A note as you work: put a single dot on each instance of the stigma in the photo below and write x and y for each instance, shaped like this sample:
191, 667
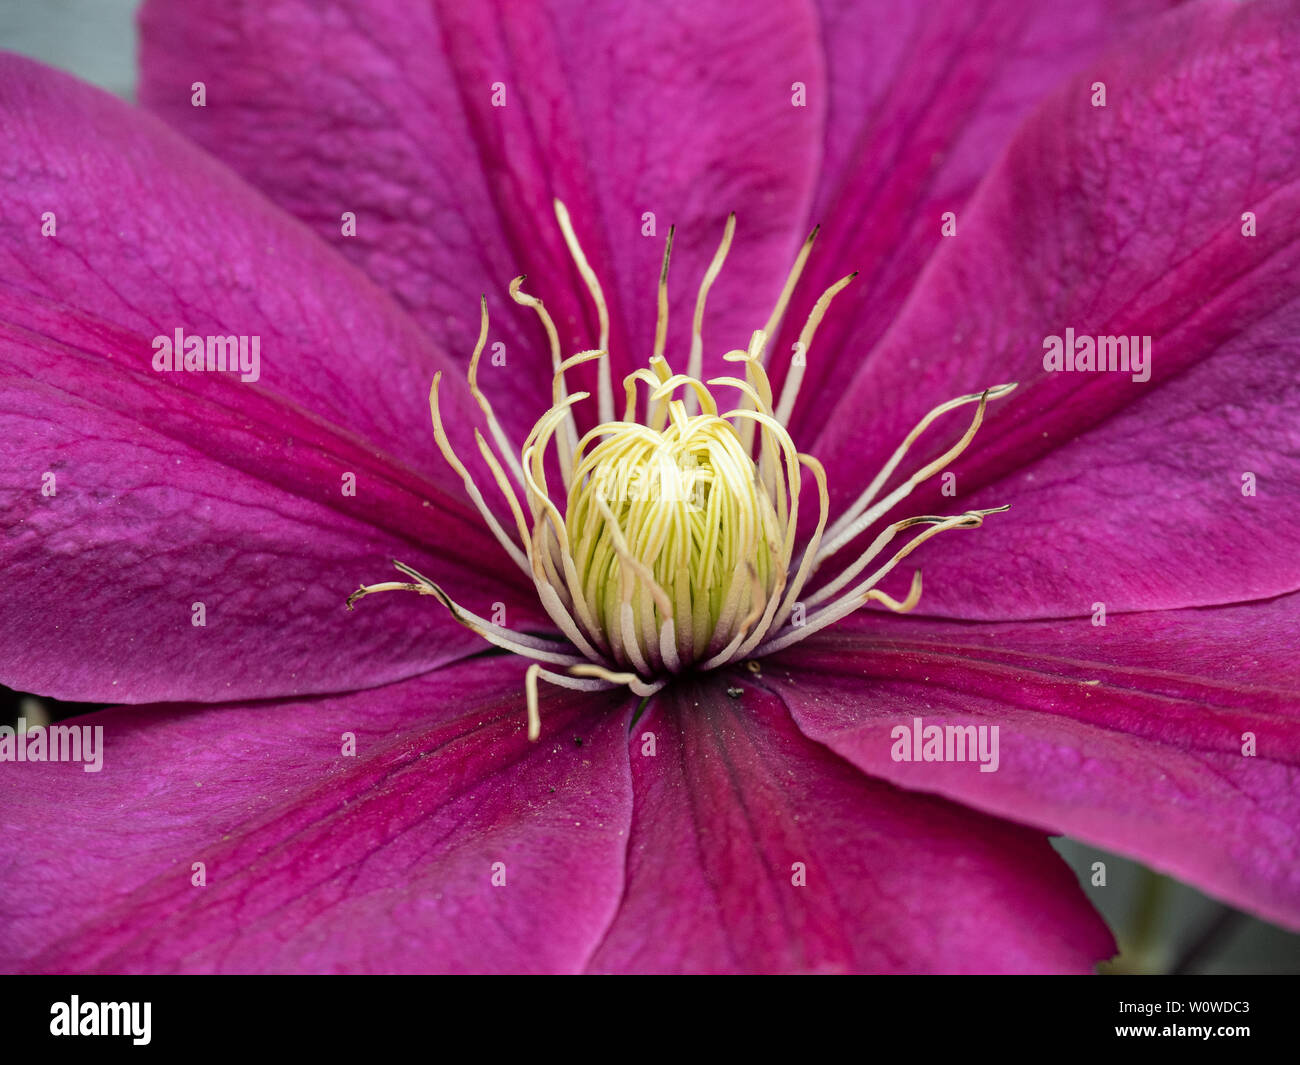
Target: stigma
671, 543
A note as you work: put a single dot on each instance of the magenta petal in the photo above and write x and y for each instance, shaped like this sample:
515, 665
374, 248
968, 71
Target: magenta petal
199, 250
1123, 220
1135, 736
132, 494
316, 862
734, 806
386, 109
922, 100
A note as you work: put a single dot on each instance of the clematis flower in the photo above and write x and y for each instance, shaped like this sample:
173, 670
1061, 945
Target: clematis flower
716, 781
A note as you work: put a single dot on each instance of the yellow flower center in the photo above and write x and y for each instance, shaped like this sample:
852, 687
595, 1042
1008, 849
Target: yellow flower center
677, 546
674, 537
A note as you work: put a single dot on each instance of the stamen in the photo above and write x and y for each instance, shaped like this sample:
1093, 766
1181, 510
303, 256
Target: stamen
498, 434
661, 320
859, 596
635, 565
799, 363
695, 360
853, 521
503, 483
631, 680
760, 394
810, 552
558, 366
773, 323
563, 681
675, 548
907, 605
792, 279
700, 389
444, 445
546, 582
864, 559
657, 416
567, 442
519, 643
605, 387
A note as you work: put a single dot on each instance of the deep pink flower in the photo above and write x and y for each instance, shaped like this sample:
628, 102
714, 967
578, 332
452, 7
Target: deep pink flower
183, 488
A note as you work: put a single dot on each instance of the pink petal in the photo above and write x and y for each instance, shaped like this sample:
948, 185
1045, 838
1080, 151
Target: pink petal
1131, 736
385, 109
316, 862
923, 98
1122, 220
171, 489
734, 801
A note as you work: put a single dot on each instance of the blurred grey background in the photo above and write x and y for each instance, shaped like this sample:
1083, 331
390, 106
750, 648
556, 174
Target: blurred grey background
94, 39
1161, 925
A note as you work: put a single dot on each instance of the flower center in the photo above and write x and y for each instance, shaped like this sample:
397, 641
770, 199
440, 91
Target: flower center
674, 538
677, 547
